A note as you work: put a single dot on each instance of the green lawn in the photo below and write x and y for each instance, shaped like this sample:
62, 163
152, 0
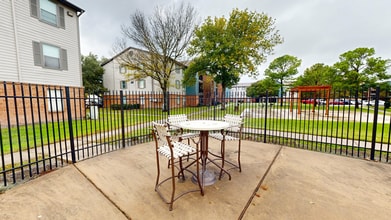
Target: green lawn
339, 129
24, 137
29, 136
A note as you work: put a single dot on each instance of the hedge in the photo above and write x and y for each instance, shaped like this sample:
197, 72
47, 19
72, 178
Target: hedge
125, 106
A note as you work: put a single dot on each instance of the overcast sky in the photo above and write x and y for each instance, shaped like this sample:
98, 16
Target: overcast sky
315, 31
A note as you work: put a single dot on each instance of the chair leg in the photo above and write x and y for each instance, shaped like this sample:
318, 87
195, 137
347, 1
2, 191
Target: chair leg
239, 149
200, 184
222, 158
181, 172
158, 171
173, 184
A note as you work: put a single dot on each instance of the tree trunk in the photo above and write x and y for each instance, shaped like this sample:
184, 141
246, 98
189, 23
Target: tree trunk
166, 101
356, 104
223, 98
281, 93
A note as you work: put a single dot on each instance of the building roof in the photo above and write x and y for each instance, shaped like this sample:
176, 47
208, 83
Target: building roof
134, 48
70, 5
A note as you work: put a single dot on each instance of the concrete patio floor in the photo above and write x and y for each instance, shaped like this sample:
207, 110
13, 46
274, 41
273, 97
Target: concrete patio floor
120, 185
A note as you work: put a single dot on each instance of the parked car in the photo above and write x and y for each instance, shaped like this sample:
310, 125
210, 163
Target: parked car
307, 101
346, 101
337, 102
94, 100
321, 101
372, 103
353, 102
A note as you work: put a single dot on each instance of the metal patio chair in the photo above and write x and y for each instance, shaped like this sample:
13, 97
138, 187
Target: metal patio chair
173, 151
173, 120
233, 133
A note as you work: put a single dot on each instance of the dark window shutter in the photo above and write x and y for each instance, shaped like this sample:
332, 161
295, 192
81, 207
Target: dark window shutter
64, 59
34, 8
61, 17
37, 53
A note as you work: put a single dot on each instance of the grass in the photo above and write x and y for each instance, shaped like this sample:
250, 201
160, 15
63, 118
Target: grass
356, 130
24, 137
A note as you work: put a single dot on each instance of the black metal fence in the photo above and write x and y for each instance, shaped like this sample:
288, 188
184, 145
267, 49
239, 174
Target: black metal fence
43, 127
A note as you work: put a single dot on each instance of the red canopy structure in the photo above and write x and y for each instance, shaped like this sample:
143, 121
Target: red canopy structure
300, 89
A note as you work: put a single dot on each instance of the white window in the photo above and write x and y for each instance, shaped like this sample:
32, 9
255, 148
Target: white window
48, 11
141, 84
142, 100
177, 69
177, 84
122, 69
123, 84
50, 56
54, 100
178, 100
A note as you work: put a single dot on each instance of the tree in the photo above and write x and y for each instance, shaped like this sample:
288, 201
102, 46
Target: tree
316, 75
164, 36
262, 87
283, 68
92, 74
226, 49
359, 67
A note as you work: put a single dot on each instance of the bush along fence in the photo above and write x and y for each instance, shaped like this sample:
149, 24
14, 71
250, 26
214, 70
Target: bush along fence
43, 127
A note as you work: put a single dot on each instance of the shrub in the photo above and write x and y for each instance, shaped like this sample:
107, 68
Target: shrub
387, 104
125, 106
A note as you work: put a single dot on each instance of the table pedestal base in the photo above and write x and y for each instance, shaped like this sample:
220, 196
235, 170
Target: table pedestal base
209, 178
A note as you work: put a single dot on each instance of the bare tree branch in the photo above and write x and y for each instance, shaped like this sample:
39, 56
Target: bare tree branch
162, 38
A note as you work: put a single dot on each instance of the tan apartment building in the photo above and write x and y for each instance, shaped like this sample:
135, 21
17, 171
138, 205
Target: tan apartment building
39, 55
141, 91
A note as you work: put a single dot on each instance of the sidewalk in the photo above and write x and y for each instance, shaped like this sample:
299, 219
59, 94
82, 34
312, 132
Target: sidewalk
120, 185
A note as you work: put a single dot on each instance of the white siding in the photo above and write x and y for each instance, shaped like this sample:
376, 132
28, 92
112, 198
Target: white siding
30, 29
8, 70
112, 78
108, 78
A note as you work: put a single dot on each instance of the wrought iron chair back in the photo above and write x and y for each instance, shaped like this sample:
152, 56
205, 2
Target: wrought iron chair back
173, 151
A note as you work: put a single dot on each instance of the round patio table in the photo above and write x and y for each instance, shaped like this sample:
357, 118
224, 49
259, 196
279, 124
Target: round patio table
204, 126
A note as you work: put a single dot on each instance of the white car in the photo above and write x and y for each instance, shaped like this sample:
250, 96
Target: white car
372, 103
94, 100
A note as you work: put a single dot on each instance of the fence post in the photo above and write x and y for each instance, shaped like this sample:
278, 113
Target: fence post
214, 101
265, 124
70, 125
168, 102
374, 128
121, 96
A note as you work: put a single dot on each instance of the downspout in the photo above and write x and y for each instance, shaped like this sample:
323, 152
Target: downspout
80, 13
16, 42
79, 45
153, 85
80, 65
113, 81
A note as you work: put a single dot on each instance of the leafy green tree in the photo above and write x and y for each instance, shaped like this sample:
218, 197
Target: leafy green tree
316, 75
283, 68
163, 38
228, 48
92, 74
359, 67
263, 87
